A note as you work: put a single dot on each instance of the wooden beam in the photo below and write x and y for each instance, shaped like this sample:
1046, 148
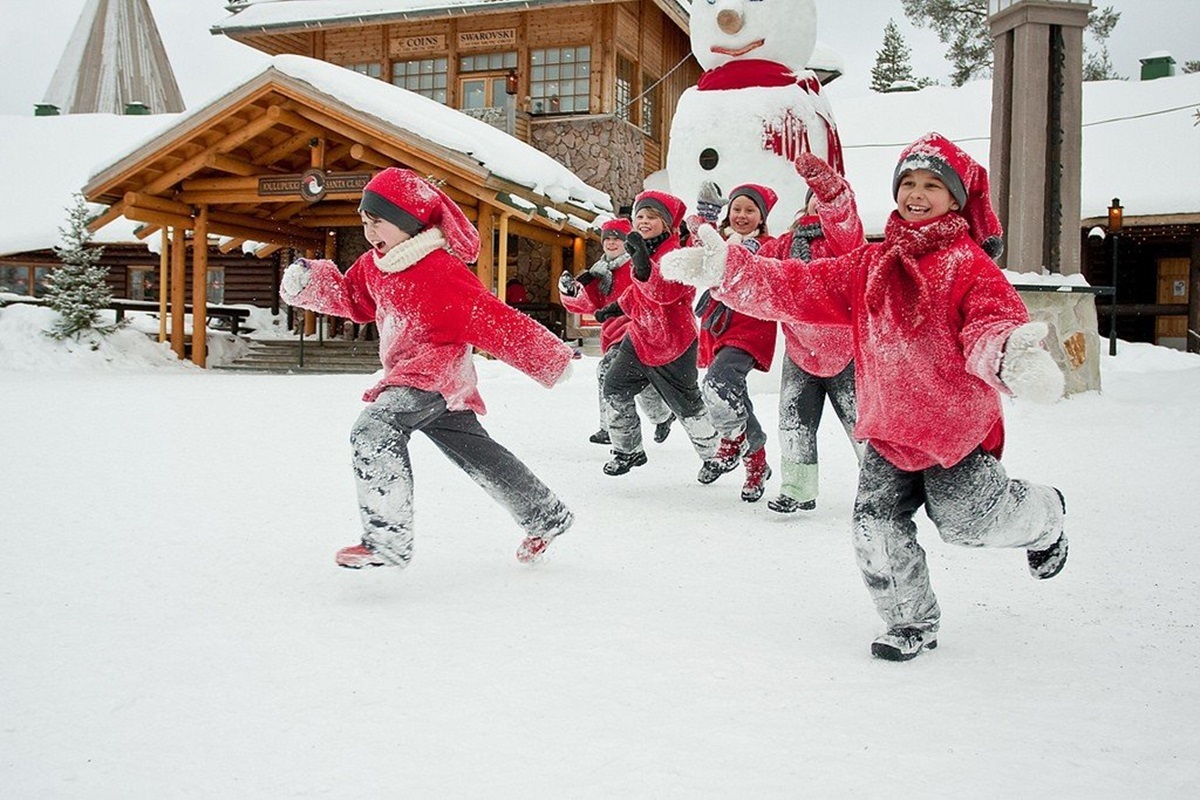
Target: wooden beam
225, 144
156, 203
234, 166
215, 197
361, 152
114, 211
231, 245
290, 145
200, 289
164, 280
247, 183
267, 249
502, 258
178, 290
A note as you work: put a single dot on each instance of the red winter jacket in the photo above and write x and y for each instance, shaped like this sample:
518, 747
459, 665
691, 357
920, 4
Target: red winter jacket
723, 327
661, 324
925, 370
822, 350
612, 330
431, 309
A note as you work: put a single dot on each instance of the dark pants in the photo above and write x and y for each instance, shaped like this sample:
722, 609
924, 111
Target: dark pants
384, 480
801, 404
728, 398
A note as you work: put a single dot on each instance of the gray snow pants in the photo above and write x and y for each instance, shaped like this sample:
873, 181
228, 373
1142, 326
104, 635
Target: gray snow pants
649, 400
728, 398
973, 504
801, 403
384, 480
676, 382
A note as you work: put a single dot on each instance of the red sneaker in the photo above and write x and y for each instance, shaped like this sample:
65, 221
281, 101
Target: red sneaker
532, 548
359, 556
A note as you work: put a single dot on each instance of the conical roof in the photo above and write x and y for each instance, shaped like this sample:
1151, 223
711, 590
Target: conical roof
115, 57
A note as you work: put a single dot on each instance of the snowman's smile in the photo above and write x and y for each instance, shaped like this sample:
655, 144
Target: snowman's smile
737, 52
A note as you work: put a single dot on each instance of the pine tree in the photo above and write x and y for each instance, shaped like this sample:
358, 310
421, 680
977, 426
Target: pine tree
1190, 67
892, 60
1097, 65
961, 24
76, 290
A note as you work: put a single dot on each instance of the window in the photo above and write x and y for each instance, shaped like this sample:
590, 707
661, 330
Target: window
649, 105
371, 69
426, 76
488, 62
25, 281
216, 286
560, 80
624, 94
143, 283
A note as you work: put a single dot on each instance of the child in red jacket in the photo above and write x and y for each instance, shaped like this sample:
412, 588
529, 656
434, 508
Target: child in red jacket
595, 288
430, 309
939, 334
659, 348
819, 360
732, 344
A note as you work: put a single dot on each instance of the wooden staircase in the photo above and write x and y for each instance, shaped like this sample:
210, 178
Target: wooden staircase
284, 356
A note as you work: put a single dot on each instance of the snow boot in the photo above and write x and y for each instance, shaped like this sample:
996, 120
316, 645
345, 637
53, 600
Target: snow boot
757, 473
728, 456
359, 556
600, 437
903, 644
623, 462
790, 505
1045, 564
663, 429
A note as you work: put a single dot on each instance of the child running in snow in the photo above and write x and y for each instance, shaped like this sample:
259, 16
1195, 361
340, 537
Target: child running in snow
430, 309
819, 360
594, 289
659, 348
732, 344
939, 335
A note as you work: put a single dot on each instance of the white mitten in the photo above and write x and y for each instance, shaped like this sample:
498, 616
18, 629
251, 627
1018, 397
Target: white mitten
295, 278
701, 266
566, 284
1027, 369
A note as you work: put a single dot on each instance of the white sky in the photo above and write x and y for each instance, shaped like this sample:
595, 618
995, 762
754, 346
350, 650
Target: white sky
32, 40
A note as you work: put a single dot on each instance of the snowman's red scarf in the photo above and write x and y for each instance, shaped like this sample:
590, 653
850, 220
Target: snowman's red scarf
790, 137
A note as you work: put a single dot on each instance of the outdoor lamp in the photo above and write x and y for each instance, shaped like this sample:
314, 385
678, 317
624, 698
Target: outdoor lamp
1115, 215
1115, 220
510, 82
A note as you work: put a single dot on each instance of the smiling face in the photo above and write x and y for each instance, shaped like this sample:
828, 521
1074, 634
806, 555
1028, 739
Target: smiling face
923, 196
648, 223
381, 234
782, 31
744, 216
613, 246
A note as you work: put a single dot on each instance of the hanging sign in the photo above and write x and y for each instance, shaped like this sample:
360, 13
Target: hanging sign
313, 184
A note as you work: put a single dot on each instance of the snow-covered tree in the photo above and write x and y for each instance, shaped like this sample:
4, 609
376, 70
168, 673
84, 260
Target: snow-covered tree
893, 65
962, 25
1191, 66
76, 289
1097, 66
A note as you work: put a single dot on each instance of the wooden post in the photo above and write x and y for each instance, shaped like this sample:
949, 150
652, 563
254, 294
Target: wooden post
485, 265
579, 257
556, 268
178, 292
1193, 333
200, 288
502, 258
164, 272
310, 317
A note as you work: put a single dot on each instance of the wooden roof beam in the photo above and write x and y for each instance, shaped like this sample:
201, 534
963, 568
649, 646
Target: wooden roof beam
225, 144
293, 144
235, 166
115, 211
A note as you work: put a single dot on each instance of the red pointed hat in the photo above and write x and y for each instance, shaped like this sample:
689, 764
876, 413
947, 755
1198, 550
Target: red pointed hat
762, 196
413, 204
668, 206
617, 228
967, 181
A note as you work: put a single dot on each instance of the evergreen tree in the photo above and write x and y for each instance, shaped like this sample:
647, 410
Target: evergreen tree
1097, 66
892, 60
76, 290
1191, 66
963, 26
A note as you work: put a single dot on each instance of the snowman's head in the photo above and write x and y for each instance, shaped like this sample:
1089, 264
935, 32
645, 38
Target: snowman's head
783, 31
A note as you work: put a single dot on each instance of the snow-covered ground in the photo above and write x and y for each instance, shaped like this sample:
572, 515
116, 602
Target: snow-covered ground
173, 624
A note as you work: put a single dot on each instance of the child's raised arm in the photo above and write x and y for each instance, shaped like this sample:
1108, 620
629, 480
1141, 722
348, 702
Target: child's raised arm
318, 285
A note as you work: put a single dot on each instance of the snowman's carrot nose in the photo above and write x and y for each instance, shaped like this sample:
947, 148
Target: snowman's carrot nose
730, 21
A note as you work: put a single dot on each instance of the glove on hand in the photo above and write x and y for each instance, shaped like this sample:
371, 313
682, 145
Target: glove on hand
585, 277
1027, 369
709, 202
295, 278
566, 284
701, 266
611, 310
639, 255
823, 179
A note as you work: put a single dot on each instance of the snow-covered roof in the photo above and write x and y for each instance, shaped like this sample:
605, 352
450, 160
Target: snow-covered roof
278, 14
1140, 143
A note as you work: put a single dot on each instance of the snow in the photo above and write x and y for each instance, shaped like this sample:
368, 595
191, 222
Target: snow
174, 624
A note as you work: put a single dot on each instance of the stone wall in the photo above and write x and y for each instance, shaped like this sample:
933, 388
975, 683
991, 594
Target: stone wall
606, 153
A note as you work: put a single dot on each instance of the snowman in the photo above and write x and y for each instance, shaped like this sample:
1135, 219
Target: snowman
756, 108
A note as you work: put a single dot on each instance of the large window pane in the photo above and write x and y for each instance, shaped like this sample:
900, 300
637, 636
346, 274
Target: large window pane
559, 80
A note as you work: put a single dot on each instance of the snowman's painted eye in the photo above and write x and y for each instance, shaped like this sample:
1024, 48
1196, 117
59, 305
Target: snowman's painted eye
709, 158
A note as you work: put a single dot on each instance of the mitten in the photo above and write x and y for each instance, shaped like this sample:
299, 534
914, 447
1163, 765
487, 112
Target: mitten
566, 284
611, 310
709, 202
701, 266
639, 255
823, 179
585, 277
1027, 369
295, 278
